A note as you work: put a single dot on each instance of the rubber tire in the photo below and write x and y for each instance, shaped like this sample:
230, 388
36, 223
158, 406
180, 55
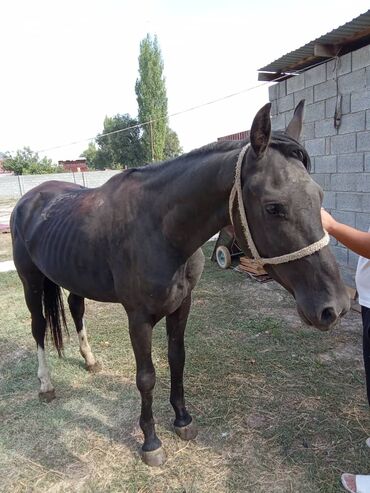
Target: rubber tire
223, 257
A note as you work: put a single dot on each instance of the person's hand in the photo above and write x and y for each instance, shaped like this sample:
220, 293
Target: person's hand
328, 222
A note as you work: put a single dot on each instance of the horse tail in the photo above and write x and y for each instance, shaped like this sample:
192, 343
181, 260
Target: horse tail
54, 313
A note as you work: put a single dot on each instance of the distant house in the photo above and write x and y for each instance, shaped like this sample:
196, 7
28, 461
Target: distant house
74, 165
238, 136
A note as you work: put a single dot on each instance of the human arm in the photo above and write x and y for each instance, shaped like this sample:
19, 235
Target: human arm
354, 239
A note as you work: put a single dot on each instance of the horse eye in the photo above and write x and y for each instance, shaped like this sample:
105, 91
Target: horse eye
276, 210
299, 155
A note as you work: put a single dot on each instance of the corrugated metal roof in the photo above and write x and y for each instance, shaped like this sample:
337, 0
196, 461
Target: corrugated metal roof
351, 35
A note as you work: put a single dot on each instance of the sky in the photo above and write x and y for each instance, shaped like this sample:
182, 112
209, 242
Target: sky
66, 64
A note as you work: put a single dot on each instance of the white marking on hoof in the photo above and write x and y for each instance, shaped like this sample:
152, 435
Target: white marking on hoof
43, 372
85, 348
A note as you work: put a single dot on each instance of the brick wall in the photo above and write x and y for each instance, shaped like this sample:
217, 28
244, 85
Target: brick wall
340, 157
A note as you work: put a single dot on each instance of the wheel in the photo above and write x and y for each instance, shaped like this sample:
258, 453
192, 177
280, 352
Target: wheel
223, 257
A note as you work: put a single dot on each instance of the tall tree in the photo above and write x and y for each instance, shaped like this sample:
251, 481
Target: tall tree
152, 99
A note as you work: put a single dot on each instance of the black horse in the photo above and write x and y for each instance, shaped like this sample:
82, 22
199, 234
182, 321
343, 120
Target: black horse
136, 241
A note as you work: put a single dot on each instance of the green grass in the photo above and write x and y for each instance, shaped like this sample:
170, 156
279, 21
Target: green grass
280, 407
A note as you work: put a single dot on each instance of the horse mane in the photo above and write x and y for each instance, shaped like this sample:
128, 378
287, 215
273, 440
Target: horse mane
288, 146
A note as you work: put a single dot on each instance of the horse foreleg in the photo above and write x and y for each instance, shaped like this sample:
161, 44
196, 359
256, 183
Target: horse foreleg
176, 324
141, 339
77, 307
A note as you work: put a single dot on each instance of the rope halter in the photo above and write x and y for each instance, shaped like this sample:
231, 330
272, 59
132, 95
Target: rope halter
236, 191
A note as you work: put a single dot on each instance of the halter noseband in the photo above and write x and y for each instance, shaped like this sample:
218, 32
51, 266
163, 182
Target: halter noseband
236, 191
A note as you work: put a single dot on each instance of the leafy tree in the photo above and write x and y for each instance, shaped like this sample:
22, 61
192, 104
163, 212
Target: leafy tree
121, 148
90, 154
28, 162
172, 147
152, 99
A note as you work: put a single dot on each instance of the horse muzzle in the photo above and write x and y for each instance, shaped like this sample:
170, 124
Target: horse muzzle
324, 318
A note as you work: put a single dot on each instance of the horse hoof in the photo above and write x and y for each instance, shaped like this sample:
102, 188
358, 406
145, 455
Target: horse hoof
153, 458
188, 432
95, 368
47, 396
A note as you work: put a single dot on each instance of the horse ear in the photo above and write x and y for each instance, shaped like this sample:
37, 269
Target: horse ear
261, 130
295, 125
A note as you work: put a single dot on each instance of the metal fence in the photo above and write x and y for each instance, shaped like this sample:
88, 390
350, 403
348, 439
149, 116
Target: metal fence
12, 186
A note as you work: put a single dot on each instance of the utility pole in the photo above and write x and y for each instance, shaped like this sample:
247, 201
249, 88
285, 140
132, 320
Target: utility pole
151, 139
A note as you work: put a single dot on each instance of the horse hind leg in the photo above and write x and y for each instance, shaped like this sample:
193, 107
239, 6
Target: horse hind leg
184, 425
77, 308
33, 292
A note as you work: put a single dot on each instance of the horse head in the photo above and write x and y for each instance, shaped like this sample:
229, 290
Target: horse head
282, 207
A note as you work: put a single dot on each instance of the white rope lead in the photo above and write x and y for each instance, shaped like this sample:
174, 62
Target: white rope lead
282, 259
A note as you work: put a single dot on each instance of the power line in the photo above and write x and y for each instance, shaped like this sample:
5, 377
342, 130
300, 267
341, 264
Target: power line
149, 122
187, 110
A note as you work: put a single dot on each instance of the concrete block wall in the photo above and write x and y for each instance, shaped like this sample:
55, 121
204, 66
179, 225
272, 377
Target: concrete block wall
12, 186
340, 156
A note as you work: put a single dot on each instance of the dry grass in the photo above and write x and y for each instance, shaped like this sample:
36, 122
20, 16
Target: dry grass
280, 407
5, 246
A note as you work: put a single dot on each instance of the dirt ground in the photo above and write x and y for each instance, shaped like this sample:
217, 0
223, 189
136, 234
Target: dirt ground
280, 406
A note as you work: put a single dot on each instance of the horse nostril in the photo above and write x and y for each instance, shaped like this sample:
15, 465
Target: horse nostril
328, 316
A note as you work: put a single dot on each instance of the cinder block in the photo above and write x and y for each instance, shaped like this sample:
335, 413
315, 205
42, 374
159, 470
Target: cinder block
344, 66
353, 122
343, 144
273, 92
315, 147
325, 128
352, 259
363, 141
308, 131
364, 186
315, 75
361, 57
326, 164
349, 201
329, 201
355, 81
360, 101
346, 182
351, 163
274, 110
367, 162
368, 77
278, 122
345, 217
288, 117
306, 94
314, 112
286, 103
295, 83
368, 119
325, 90
341, 254
322, 179
362, 221
312, 164
366, 203
282, 89
347, 274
